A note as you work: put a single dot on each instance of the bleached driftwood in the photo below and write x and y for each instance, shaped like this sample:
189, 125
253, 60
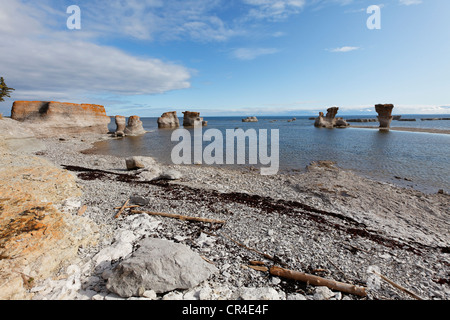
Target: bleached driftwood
318, 281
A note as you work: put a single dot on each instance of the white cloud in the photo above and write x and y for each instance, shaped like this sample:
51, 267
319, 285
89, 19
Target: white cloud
410, 2
252, 53
422, 109
41, 63
150, 19
344, 49
274, 9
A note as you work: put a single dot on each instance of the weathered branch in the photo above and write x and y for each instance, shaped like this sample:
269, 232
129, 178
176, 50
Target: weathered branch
318, 281
399, 287
128, 207
121, 209
180, 217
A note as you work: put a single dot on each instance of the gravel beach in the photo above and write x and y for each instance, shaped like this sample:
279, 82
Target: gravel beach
325, 221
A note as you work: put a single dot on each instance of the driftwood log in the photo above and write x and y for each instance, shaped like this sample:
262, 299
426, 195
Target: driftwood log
128, 207
318, 281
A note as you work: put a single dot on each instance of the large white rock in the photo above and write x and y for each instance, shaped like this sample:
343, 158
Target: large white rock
161, 266
122, 246
18, 137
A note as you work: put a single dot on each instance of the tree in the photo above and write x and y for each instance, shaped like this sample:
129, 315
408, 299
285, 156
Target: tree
5, 91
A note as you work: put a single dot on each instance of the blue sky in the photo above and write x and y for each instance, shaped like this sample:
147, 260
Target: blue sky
229, 57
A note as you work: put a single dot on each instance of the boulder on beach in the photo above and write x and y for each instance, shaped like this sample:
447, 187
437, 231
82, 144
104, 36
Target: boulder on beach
18, 137
330, 121
148, 168
193, 119
168, 120
384, 114
250, 119
159, 265
138, 162
134, 127
51, 118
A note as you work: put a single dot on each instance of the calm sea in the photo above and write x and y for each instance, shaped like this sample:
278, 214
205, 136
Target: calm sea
422, 158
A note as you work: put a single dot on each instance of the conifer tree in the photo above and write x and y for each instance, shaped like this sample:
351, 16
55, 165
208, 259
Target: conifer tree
5, 91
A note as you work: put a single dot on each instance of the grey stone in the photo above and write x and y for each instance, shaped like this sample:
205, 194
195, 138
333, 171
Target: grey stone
134, 163
170, 175
323, 293
141, 201
161, 266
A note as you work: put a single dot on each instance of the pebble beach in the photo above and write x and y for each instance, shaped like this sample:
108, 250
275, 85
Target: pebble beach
325, 221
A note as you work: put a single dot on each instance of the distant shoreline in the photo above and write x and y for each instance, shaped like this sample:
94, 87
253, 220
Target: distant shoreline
423, 130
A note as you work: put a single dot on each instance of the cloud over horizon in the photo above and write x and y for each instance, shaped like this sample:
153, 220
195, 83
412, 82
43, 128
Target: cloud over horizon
44, 63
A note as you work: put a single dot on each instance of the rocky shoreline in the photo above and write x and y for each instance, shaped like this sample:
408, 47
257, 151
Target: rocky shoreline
326, 222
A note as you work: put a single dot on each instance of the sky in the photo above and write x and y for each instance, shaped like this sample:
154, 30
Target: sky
229, 57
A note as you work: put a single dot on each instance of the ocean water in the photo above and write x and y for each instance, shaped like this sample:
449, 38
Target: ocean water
422, 158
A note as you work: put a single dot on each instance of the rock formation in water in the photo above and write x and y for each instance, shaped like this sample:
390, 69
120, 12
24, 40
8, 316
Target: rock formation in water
192, 119
341, 123
250, 119
384, 114
55, 118
434, 119
134, 127
168, 120
121, 124
330, 120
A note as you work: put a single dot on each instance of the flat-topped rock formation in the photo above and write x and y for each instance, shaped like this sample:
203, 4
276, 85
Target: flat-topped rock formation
192, 119
50, 118
330, 120
384, 114
168, 120
134, 127
250, 119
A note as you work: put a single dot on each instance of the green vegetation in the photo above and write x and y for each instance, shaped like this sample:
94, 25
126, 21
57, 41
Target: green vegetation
5, 91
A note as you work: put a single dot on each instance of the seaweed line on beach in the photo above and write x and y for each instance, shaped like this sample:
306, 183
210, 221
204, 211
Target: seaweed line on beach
265, 204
